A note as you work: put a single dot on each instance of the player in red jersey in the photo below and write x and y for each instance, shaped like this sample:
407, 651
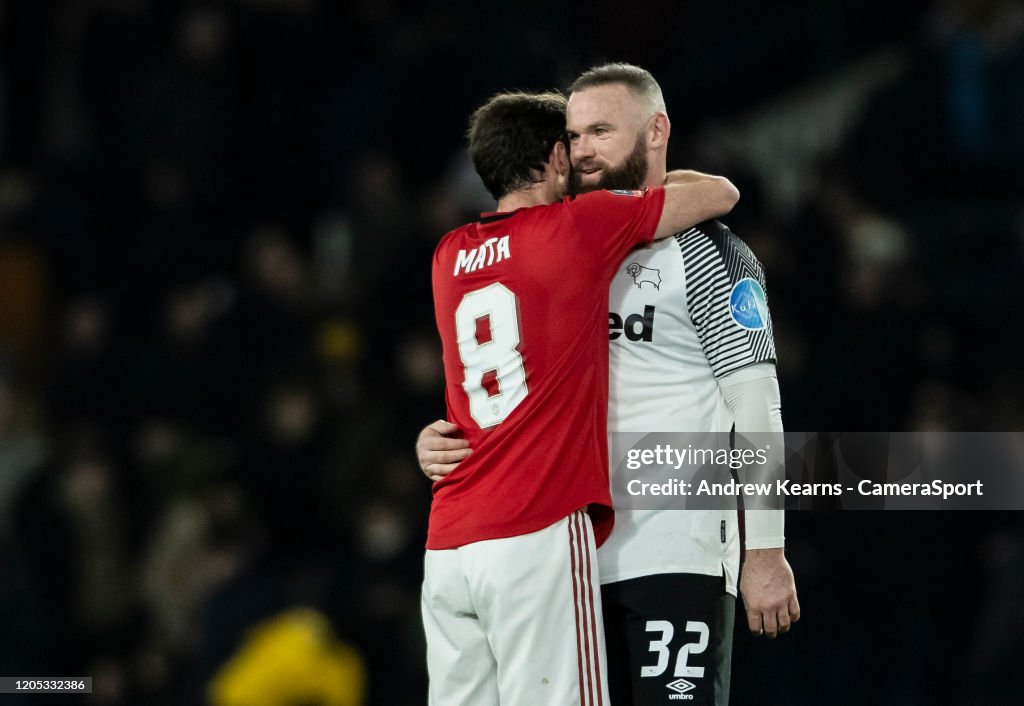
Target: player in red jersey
510, 607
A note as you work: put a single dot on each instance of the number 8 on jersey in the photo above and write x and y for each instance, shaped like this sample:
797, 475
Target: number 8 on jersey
487, 326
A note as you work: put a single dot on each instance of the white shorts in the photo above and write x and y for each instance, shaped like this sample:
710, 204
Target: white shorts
517, 621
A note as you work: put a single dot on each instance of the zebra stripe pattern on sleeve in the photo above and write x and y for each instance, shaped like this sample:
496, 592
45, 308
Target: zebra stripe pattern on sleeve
725, 295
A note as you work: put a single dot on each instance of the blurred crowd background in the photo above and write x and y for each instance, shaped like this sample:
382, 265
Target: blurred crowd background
217, 341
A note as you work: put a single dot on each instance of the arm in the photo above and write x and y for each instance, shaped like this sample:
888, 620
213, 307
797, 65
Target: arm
687, 176
690, 200
439, 451
766, 579
752, 396
740, 348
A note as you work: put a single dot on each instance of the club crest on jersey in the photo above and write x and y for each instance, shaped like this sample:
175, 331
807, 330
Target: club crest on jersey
641, 274
625, 192
748, 304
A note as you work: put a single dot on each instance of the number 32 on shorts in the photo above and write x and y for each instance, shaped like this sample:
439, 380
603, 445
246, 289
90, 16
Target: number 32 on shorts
487, 327
660, 648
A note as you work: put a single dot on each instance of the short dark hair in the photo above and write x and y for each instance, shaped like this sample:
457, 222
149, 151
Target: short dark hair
639, 81
511, 136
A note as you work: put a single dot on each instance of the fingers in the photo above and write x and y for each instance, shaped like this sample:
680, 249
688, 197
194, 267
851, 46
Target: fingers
437, 464
431, 457
772, 622
794, 608
443, 462
784, 621
442, 426
437, 471
755, 623
437, 453
442, 443
439, 437
768, 624
789, 612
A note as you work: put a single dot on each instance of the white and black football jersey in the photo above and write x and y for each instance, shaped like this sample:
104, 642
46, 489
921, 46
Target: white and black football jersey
685, 312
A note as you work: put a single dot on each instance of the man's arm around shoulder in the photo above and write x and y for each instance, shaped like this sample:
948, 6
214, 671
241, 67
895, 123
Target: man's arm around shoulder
691, 198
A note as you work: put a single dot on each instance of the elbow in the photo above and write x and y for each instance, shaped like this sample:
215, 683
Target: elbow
730, 195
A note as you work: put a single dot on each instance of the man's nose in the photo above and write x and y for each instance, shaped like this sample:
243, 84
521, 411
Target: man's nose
582, 147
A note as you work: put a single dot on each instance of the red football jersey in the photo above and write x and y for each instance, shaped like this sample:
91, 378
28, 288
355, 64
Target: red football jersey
521, 301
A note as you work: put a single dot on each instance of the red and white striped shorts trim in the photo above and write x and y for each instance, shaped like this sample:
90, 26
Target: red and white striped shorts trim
588, 648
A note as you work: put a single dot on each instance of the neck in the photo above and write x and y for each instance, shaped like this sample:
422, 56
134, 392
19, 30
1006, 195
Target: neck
524, 198
656, 170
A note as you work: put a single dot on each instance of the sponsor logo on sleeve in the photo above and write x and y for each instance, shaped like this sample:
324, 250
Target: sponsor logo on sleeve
748, 304
625, 192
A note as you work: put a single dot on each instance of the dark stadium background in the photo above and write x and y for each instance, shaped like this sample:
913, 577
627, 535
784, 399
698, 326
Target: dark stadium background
217, 345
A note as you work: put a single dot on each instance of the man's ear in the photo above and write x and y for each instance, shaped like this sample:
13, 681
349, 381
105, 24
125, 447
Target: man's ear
658, 131
560, 158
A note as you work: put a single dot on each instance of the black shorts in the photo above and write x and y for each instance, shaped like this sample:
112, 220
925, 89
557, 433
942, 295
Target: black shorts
669, 639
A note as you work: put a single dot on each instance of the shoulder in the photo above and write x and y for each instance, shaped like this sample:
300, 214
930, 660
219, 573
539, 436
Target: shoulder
604, 197
712, 243
452, 238
716, 234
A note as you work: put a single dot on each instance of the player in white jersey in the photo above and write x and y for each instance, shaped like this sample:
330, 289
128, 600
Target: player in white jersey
682, 359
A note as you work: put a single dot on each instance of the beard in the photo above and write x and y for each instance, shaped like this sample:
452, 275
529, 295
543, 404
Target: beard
629, 175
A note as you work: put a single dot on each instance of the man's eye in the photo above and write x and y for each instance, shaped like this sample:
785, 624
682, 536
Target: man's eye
573, 137
601, 131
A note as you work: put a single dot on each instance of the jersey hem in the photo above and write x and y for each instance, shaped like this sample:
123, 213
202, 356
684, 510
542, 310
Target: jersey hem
481, 535
702, 571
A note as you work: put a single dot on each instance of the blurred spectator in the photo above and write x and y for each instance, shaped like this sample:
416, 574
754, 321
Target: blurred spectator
291, 659
23, 297
952, 127
23, 446
87, 380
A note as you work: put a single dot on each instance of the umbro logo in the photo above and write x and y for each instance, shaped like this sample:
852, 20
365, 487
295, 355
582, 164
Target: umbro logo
680, 687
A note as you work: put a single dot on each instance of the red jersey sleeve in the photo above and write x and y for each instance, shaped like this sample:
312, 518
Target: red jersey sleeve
617, 221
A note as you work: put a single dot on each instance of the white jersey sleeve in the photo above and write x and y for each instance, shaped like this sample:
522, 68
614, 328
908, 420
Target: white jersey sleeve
726, 298
752, 395
685, 312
